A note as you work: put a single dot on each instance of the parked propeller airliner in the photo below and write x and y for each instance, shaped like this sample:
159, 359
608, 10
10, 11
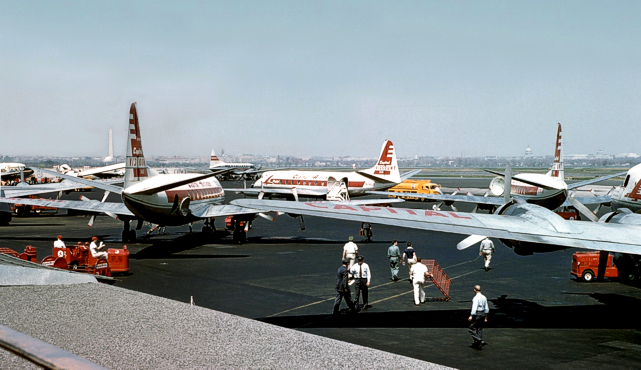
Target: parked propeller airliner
164, 199
526, 228
240, 170
546, 190
331, 185
113, 170
172, 199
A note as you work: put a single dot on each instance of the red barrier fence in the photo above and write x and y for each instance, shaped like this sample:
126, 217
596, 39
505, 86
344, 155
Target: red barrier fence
439, 278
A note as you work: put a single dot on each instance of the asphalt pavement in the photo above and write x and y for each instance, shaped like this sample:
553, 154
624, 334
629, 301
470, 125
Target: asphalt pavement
540, 316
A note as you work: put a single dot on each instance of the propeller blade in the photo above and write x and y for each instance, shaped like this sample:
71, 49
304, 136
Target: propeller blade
507, 192
469, 241
91, 220
104, 197
266, 216
454, 208
583, 209
295, 195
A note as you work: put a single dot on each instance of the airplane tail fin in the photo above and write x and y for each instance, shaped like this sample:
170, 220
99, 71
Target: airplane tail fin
136, 169
557, 166
214, 161
386, 169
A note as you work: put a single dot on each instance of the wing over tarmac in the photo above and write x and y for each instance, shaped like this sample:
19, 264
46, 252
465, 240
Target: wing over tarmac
527, 228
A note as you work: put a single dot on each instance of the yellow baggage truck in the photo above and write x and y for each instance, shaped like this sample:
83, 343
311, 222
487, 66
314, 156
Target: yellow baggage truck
415, 187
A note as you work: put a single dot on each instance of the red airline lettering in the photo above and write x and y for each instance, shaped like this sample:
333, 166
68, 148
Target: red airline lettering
315, 205
456, 215
434, 213
367, 209
340, 206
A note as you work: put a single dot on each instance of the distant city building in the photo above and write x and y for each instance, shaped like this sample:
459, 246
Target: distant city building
528, 151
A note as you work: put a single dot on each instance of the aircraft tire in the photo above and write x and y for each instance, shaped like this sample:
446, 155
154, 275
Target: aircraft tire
125, 236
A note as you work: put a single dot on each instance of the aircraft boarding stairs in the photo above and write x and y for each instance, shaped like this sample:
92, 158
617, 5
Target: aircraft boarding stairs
439, 278
337, 190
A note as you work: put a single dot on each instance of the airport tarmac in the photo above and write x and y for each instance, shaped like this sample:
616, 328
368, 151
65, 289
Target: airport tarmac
540, 317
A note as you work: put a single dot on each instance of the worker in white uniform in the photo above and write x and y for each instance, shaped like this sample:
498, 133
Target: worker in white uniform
93, 247
350, 251
486, 250
362, 276
478, 318
418, 274
59, 243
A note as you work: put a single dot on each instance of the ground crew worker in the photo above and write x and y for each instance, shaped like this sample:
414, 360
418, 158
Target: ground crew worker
486, 249
478, 318
418, 274
59, 243
362, 275
410, 254
350, 251
342, 290
394, 256
366, 230
93, 247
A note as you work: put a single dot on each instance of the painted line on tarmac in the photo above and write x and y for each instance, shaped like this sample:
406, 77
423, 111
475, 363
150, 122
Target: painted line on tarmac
324, 300
374, 287
412, 291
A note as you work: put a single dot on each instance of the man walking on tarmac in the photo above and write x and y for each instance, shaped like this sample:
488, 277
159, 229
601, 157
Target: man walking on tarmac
362, 275
394, 256
487, 248
410, 254
342, 290
350, 251
418, 274
478, 318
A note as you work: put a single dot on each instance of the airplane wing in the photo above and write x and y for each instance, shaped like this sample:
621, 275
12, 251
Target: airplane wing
407, 175
300, 191
23, 191
475, 199
592, 181
86, 206
99, 170
601, 199
525, 227
85, 182
218, 210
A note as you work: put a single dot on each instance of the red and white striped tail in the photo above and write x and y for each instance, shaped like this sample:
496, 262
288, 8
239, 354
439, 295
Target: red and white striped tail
387, 167
214, 160
557, 165
135, 166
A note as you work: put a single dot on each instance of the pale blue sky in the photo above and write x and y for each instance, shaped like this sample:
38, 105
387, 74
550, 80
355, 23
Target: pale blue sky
320, 77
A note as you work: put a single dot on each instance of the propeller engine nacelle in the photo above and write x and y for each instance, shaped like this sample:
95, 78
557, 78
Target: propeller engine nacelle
184, 206
539, 216
497, 186
629, 265
621, 216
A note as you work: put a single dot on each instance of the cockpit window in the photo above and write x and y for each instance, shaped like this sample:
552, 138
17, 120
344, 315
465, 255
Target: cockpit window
627, 179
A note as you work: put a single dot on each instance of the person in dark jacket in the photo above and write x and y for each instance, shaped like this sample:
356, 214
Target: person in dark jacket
342, 290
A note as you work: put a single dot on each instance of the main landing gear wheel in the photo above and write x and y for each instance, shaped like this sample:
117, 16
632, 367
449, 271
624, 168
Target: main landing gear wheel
588, 276
125, 236
131, 235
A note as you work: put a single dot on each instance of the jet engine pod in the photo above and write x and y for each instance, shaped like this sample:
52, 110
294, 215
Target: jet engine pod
184, 206
497, 186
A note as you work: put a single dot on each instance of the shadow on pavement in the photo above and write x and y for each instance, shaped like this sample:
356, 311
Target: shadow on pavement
615, 312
